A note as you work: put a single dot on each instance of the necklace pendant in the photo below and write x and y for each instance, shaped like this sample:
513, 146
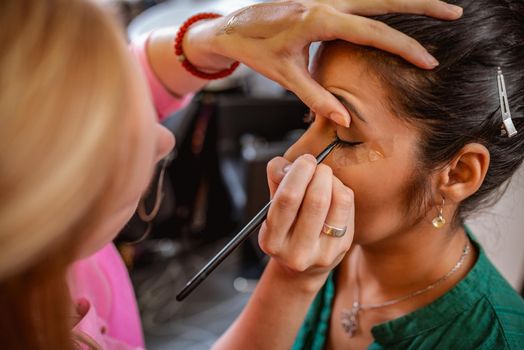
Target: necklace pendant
350, 319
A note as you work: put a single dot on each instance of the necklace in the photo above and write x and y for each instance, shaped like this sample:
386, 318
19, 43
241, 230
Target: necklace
350, 317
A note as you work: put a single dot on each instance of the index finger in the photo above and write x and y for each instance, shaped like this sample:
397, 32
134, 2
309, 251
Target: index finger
369, 32
289, 195
433, 8
275, 173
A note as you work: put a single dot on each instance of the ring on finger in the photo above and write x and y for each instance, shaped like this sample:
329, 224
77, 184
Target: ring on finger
333, 230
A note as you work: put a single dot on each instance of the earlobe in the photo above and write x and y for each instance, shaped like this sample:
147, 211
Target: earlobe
465, 174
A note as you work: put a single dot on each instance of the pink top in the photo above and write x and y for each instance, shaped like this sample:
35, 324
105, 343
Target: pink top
101, 283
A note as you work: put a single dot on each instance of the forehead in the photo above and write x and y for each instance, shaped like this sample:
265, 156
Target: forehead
341, 68
339, 55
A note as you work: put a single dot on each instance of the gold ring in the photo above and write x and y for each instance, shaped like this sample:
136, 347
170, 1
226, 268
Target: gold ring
333, 230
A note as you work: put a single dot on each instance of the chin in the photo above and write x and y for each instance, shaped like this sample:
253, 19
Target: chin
107, 232
367, 236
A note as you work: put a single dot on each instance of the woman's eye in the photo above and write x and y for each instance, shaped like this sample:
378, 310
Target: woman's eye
345, 143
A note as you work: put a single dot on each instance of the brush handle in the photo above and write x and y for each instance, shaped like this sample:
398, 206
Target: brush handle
238, 239
224, 252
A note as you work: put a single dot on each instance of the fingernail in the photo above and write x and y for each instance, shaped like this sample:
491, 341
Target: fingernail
286, 168
309, 157
431, 61
457, 10
339, 119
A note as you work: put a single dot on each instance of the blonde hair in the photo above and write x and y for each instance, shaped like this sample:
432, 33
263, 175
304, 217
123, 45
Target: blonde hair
62, 127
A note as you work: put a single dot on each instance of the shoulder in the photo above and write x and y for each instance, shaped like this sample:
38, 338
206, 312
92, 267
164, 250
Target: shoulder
482, 311
496, 319
506, 308
491, 323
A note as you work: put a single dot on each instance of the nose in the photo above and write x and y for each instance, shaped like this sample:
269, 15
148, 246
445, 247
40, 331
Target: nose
313, 141
306, 144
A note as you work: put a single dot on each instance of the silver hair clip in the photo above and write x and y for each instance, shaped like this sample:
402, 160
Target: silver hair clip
508, 128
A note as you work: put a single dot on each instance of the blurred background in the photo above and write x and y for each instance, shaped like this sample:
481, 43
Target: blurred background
217, 182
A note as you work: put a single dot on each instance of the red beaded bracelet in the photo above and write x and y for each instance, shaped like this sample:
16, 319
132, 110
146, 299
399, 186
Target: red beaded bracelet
179, 52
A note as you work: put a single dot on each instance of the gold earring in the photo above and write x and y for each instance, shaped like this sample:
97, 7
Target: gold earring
439, 221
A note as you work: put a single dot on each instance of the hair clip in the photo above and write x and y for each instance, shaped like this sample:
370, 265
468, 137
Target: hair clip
508, 128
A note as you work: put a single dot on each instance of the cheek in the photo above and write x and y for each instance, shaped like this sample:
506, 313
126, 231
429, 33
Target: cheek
373, 182
106, 232
379, 189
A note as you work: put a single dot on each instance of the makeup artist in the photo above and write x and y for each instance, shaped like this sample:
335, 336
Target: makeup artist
79, 140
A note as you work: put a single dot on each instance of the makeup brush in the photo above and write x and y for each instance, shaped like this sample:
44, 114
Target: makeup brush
238, 239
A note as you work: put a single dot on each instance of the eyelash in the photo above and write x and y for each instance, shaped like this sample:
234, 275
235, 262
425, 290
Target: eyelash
345, 144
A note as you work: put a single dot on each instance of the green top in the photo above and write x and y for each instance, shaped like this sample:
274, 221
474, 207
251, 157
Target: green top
481, 312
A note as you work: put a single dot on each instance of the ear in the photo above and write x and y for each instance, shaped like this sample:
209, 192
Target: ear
465, 174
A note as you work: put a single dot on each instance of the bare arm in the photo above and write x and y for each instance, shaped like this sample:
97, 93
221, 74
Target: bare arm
272, 316
197, 42
273, 38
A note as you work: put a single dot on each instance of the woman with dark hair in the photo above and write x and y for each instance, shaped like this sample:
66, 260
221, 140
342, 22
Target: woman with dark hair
425, 149
80, 139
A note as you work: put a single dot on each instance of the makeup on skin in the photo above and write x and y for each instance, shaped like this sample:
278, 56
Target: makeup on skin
357, 149
353, 153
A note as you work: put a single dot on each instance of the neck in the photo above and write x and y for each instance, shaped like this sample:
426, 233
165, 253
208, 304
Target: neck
408, 261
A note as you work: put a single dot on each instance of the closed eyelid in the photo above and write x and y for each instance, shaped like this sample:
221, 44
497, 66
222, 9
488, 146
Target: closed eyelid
348, 141
350, 107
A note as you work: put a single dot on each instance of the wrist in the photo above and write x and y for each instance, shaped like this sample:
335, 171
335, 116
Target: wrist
200, 46
307, 283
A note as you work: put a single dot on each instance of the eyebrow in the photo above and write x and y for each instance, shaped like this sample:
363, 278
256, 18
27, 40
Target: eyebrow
351, 108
